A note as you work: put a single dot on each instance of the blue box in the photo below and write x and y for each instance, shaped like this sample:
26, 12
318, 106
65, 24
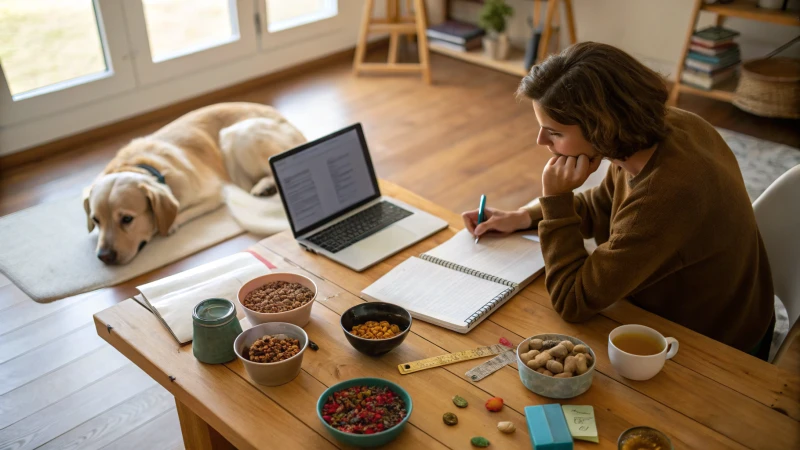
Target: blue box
548, 427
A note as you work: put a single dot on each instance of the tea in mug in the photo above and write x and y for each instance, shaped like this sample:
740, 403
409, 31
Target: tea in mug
638, 344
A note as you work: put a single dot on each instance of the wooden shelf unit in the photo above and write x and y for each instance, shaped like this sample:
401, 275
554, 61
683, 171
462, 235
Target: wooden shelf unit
745, 9
515, 64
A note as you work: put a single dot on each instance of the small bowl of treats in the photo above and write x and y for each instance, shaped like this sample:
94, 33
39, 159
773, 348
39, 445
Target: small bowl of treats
364, 412
278, 297
375, 328
272, 353
555, 365
643, 438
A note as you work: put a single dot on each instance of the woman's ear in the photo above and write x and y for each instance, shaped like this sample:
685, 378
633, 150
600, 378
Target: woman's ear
87, 193
164, 204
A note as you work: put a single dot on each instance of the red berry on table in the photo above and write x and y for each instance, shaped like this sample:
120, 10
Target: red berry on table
494, 404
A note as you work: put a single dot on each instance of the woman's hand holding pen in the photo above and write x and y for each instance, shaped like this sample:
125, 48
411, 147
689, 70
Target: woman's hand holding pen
496, 220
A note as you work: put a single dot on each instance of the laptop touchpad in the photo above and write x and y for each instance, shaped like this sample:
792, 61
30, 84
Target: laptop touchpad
385, 241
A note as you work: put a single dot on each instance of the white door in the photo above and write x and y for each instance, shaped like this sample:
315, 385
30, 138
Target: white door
58, 54
287, 22
171, 38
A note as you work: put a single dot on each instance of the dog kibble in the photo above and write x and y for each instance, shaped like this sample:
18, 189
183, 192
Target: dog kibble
269, 349
376, 330
450, 418
459, 401
278, 296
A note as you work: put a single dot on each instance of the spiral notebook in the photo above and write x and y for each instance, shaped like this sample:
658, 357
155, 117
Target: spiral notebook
459, 283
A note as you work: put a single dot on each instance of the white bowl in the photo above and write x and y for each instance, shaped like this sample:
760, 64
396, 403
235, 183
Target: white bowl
277, 373
552, 387
298, 316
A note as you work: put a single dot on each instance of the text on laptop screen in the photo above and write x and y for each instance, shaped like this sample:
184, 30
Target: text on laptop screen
320, 181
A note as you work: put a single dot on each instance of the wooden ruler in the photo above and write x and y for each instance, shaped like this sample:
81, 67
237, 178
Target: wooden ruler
451, 358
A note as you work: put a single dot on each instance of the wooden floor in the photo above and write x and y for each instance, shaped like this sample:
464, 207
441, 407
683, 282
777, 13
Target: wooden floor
61, 386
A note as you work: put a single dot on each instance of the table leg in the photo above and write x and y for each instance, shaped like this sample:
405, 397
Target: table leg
197, 434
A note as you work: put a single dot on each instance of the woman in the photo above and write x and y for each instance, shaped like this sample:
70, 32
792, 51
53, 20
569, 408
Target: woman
674, 226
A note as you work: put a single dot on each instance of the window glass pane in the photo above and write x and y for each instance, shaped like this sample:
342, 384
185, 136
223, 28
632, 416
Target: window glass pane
44, 42
282, 14
179, 27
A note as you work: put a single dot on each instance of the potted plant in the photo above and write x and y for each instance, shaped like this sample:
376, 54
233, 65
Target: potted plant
493, 19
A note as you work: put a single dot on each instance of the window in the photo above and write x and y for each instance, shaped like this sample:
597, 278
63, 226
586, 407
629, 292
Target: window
282, 14
179, 27
46, 45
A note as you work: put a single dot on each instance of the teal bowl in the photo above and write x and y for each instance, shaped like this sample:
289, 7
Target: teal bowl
365, 440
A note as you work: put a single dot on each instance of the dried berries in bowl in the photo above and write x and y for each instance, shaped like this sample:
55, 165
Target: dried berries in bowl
364, 412
278, 296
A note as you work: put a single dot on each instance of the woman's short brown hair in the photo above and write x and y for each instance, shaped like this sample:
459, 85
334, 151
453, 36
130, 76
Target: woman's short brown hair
618, 103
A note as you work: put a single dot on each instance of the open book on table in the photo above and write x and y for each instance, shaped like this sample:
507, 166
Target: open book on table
459, 283
172, 299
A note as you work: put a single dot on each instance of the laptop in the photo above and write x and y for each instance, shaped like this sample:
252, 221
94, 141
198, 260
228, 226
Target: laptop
335, 208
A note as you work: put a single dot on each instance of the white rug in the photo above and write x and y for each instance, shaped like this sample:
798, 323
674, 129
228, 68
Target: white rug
47, 252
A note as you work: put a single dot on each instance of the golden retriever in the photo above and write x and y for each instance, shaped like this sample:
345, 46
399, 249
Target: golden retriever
158, 182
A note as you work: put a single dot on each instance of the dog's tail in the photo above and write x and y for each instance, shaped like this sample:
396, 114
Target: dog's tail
258, 215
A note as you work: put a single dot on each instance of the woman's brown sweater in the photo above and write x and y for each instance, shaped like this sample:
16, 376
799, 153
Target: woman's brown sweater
679, 239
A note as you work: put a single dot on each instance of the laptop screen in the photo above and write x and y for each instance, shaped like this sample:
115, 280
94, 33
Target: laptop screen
321, 180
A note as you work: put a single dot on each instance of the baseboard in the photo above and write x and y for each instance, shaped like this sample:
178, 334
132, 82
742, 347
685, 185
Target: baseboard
79, 140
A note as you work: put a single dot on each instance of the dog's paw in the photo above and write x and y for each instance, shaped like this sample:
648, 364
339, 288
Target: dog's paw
264, 188
173, 229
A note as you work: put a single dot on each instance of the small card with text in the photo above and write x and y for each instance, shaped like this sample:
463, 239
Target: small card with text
581, 423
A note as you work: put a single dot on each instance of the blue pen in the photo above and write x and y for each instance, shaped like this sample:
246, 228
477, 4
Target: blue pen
481, 214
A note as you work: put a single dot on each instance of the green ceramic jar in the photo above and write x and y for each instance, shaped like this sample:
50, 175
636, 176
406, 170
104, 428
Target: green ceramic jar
215, 327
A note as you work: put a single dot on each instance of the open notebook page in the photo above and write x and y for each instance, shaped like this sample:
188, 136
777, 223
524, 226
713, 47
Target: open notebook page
434, 293
173, 298
514, 257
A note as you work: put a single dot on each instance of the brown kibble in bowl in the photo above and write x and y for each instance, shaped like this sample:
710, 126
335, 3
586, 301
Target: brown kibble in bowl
270, 349
278, 296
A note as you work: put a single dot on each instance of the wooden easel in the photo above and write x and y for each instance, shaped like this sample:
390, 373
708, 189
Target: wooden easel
551, 20
396, 24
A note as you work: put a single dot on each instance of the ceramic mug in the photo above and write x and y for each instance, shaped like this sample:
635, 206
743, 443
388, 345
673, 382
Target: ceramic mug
638, 367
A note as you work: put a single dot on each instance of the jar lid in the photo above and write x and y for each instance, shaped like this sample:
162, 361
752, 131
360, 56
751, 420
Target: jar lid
213, 312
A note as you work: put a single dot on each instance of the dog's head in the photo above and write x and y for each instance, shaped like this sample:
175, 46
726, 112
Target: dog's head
128, 209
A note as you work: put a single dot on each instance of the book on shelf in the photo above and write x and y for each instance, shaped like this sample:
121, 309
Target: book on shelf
713, 51
706, 66
455, 32
727, 57
470, 45
707, 80
713, 36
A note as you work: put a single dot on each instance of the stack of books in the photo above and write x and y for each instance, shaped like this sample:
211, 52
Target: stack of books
713, 58
454, 35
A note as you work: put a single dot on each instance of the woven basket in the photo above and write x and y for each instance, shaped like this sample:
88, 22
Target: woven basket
770, 88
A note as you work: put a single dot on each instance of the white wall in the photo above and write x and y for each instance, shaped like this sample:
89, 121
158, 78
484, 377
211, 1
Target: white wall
651, 30
30, 133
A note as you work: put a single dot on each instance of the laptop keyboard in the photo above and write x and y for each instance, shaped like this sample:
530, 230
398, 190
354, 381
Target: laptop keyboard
359, 226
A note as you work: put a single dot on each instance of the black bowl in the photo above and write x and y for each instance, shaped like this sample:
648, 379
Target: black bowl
376, 311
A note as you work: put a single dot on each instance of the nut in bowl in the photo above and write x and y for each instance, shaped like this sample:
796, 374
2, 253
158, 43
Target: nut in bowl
278, 297
375, 328
282, 344
564, 369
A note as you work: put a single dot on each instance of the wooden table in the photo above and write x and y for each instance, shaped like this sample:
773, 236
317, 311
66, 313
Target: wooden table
708, 396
